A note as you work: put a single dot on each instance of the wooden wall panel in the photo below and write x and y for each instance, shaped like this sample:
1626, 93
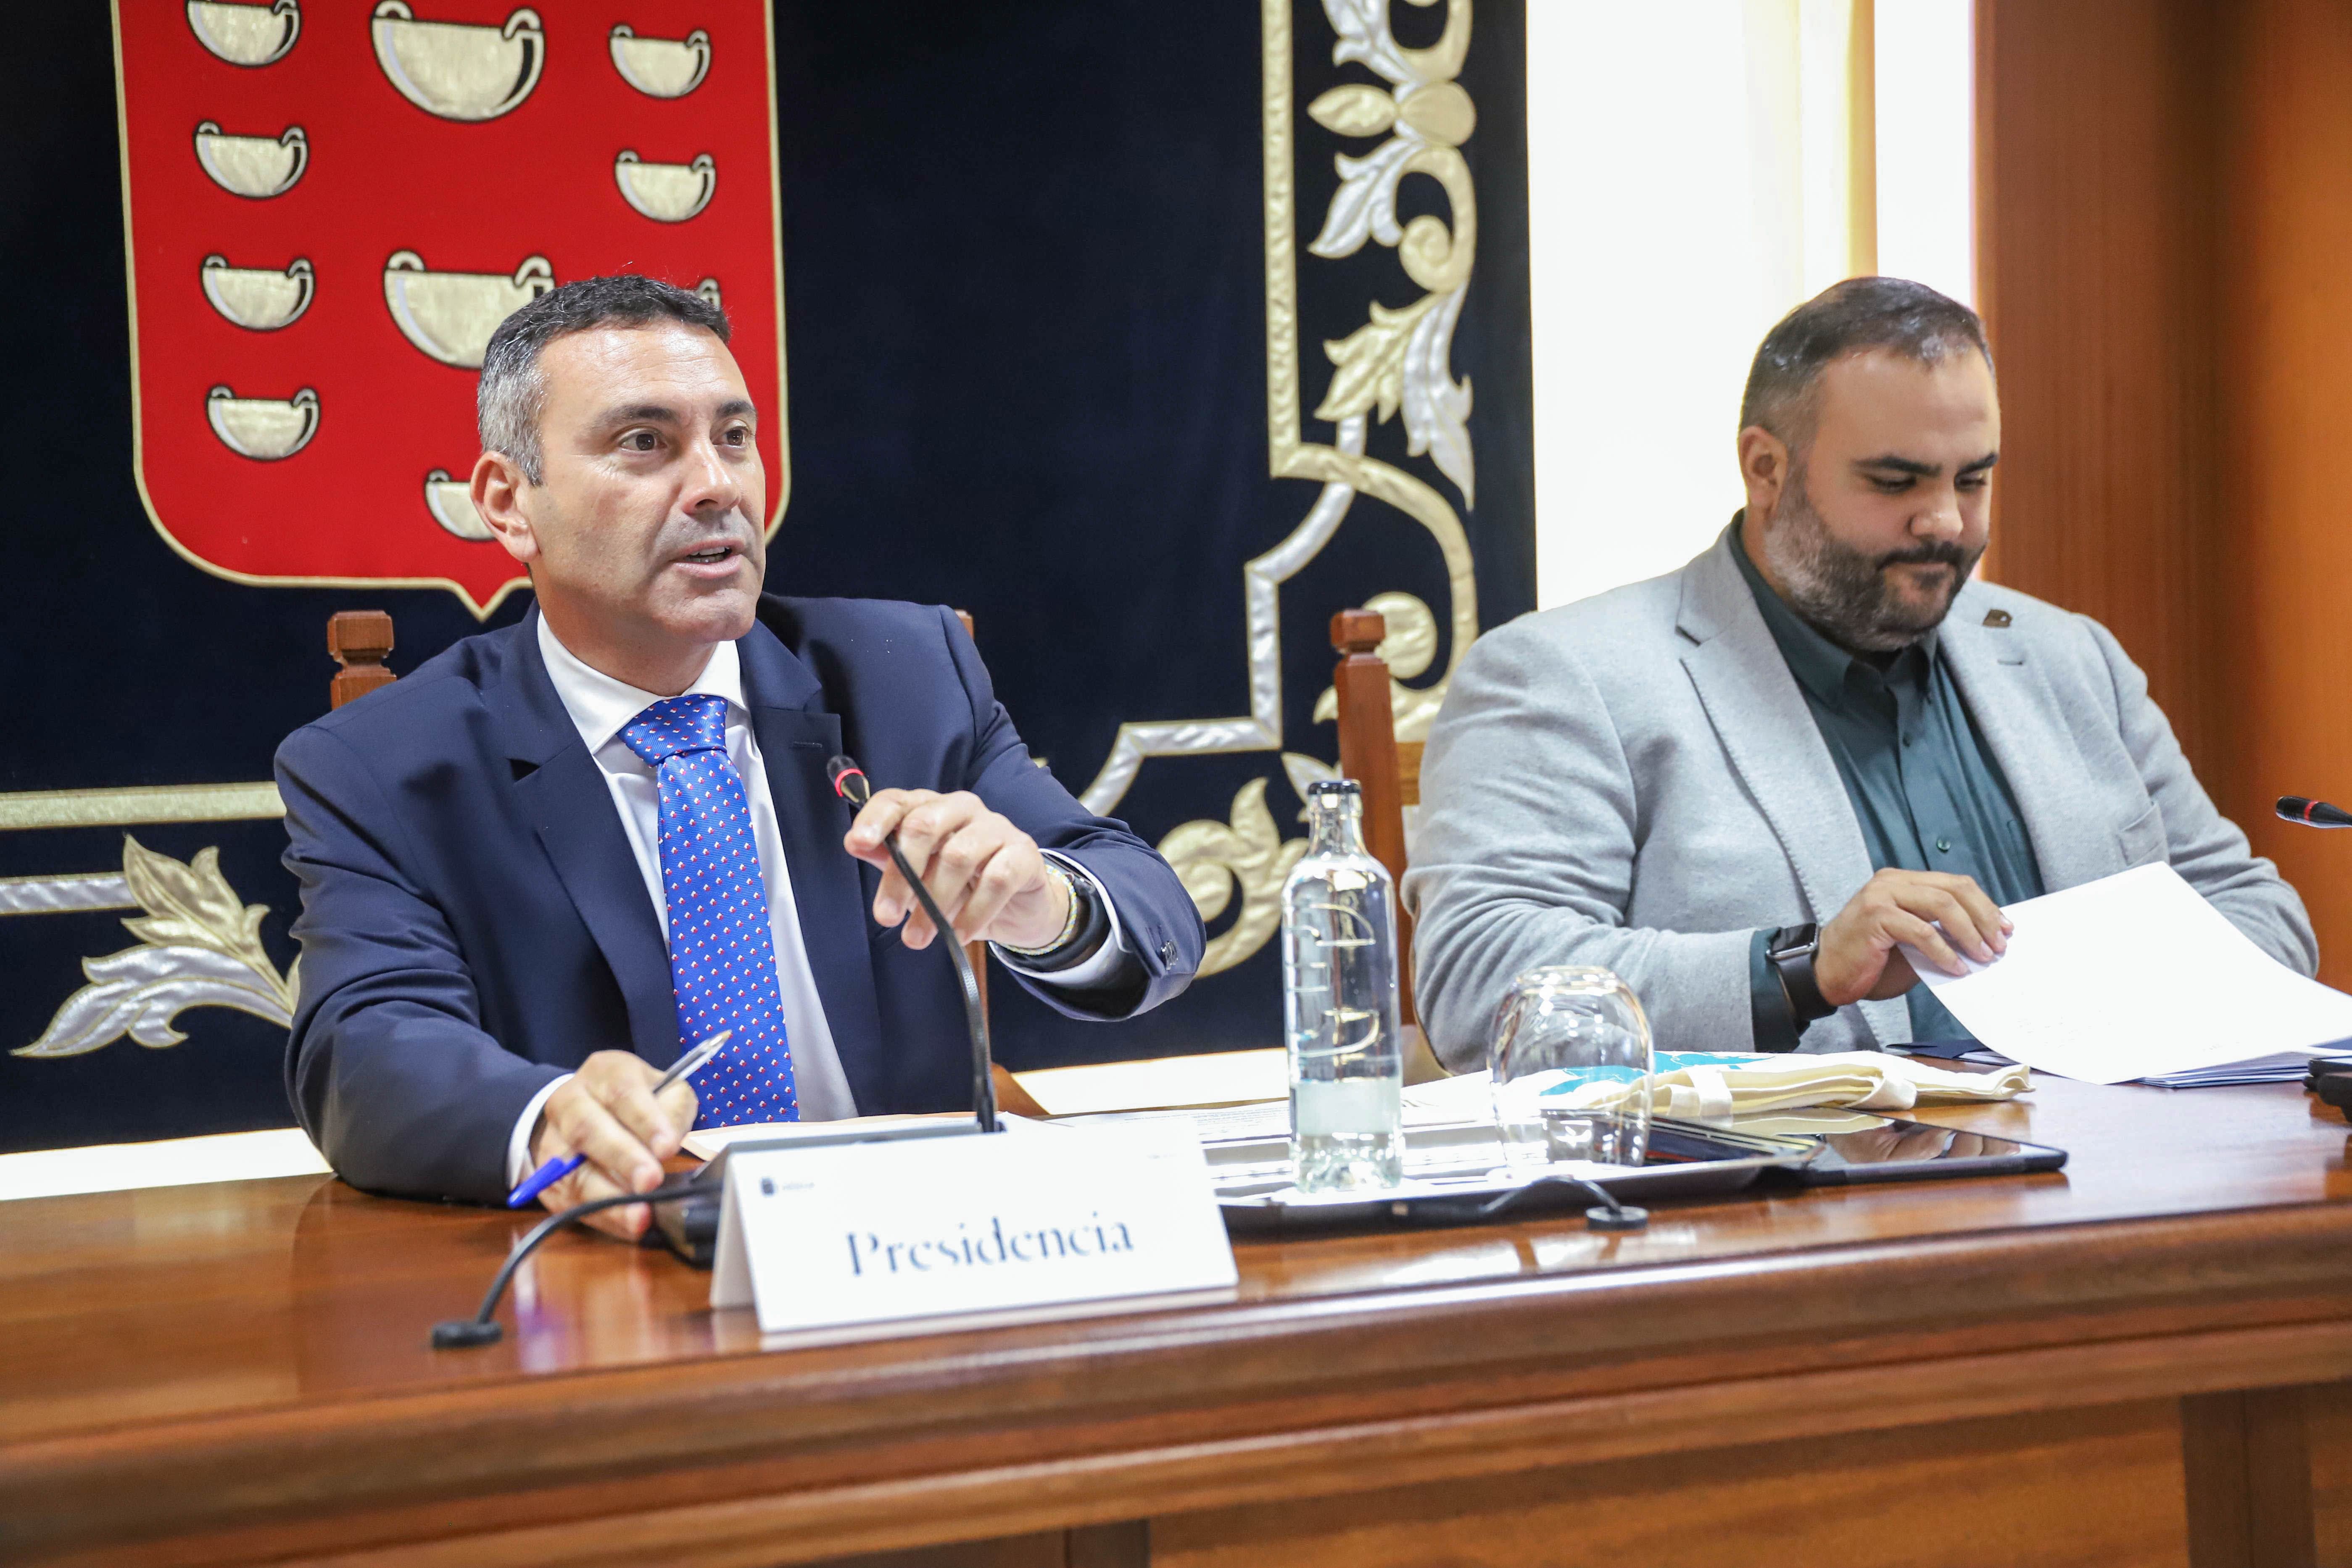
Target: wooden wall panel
2286, 368
2095, 244
2165, 256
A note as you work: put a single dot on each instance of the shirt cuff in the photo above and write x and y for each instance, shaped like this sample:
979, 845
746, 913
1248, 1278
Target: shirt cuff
1772, 1020
518, 1163
1088, 973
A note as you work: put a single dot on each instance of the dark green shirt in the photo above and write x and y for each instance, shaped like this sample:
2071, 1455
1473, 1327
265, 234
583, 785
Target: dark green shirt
1925, 790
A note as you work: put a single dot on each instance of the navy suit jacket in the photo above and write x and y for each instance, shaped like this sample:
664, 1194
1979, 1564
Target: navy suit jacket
474, 922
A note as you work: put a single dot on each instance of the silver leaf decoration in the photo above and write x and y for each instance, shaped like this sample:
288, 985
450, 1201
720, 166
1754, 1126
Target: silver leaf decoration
200, 947
141, 991
1365, 204
1364, 35
1437, 407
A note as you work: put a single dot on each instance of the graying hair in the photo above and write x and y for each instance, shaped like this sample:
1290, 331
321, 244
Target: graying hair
512, 396
1783, 393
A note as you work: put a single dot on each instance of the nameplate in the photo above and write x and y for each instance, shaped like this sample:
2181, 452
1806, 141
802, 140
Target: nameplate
910, 1235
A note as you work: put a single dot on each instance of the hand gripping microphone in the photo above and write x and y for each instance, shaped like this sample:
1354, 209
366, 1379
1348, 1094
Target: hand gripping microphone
849, 782
2313, 813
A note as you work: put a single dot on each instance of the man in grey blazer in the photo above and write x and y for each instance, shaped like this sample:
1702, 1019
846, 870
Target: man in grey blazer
1747, 786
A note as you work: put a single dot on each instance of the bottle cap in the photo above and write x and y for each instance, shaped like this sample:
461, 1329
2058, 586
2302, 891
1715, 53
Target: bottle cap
1334, 788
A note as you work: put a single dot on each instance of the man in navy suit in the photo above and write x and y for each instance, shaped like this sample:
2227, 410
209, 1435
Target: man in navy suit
536, 868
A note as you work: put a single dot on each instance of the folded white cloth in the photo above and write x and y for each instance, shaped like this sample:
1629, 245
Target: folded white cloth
1715, 1090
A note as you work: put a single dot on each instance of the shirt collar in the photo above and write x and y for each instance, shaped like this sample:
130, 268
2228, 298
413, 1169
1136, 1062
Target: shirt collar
601, 707
1821, 663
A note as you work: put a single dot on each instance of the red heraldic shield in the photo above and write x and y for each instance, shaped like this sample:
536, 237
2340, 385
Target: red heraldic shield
330, 205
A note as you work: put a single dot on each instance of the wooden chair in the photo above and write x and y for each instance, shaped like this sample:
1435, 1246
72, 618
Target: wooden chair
359, 640
1389, 772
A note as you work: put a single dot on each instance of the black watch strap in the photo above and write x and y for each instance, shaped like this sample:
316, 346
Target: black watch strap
1791, 951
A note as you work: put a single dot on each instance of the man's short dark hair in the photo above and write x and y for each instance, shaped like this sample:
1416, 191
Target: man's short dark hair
1909, 319
513, 393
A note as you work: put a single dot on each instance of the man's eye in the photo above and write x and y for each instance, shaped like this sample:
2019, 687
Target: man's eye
738, 437
639, 441
1896, 486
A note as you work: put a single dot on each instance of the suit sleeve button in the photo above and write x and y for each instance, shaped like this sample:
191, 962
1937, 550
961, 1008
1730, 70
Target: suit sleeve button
1166, 953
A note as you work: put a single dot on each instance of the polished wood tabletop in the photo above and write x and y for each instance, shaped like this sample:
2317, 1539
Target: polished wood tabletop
240, 1371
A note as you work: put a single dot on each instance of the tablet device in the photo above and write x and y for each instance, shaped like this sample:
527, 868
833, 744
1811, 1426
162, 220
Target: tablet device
1861, 1146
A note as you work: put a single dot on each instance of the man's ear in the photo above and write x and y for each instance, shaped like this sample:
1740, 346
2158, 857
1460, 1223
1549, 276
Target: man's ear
498, 492
1763, 470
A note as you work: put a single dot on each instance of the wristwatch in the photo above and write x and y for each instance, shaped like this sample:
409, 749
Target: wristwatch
1072, 924
1082, 934
1791, 951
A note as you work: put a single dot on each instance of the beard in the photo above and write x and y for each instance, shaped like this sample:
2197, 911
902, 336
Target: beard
1845, 592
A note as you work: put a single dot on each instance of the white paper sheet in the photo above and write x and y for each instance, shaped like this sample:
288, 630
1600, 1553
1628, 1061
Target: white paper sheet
2137, 975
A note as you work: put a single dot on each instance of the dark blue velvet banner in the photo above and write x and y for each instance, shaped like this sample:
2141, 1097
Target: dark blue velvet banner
1150, 335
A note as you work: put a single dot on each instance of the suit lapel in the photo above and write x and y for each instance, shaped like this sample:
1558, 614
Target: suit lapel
1775, 747
2018, 715
797, 737
1770, 734
571, 808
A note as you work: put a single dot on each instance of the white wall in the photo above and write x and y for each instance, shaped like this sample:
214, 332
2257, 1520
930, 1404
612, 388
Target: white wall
1688, 182
1927, 168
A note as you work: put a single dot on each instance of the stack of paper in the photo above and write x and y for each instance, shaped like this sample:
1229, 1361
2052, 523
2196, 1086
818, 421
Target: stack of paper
1710, 1086
2282, 1066
2136, 978
1704, 1085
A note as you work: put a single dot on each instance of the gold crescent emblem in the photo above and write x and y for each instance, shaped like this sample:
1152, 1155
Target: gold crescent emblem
263, 428
451, 502
661, 68
246, 34
255, 298
460, 71
255, 166
708, 290
451, 315
665, 192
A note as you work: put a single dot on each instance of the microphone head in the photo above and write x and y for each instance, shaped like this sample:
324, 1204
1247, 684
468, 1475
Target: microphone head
2313, 813
848, 780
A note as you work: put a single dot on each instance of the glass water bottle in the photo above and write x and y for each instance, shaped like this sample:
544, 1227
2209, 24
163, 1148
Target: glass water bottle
1339, 1003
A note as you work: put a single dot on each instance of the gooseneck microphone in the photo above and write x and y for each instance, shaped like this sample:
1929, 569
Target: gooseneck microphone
2313, 813
849, 782
482, 1328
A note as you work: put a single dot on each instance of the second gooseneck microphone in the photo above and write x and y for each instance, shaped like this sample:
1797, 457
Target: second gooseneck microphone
849, 782
2313, 813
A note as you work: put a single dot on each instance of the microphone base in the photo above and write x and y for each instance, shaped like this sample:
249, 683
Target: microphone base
465, 1333
688, 1229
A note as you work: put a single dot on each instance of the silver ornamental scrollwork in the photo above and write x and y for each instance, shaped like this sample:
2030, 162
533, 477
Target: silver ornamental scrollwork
1247, 855
1398, 364
1399, 358
200, 946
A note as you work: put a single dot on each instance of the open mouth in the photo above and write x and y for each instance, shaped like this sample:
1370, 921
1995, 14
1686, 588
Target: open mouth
713, 556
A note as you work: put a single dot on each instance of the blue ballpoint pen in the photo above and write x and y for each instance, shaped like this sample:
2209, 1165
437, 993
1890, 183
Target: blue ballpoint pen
563, 1165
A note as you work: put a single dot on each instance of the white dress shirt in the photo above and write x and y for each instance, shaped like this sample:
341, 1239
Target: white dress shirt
601, 707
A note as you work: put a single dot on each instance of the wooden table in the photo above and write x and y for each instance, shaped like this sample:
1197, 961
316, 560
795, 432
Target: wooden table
2134, 1361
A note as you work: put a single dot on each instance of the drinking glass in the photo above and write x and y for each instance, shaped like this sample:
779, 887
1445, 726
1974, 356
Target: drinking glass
1571, 1065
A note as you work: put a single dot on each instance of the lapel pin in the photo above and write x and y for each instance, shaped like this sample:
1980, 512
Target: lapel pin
1996, 617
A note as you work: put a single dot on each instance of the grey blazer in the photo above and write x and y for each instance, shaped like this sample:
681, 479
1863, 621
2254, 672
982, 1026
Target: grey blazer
1634, 780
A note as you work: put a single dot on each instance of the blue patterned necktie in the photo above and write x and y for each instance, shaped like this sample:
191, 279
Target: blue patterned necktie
722, 955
